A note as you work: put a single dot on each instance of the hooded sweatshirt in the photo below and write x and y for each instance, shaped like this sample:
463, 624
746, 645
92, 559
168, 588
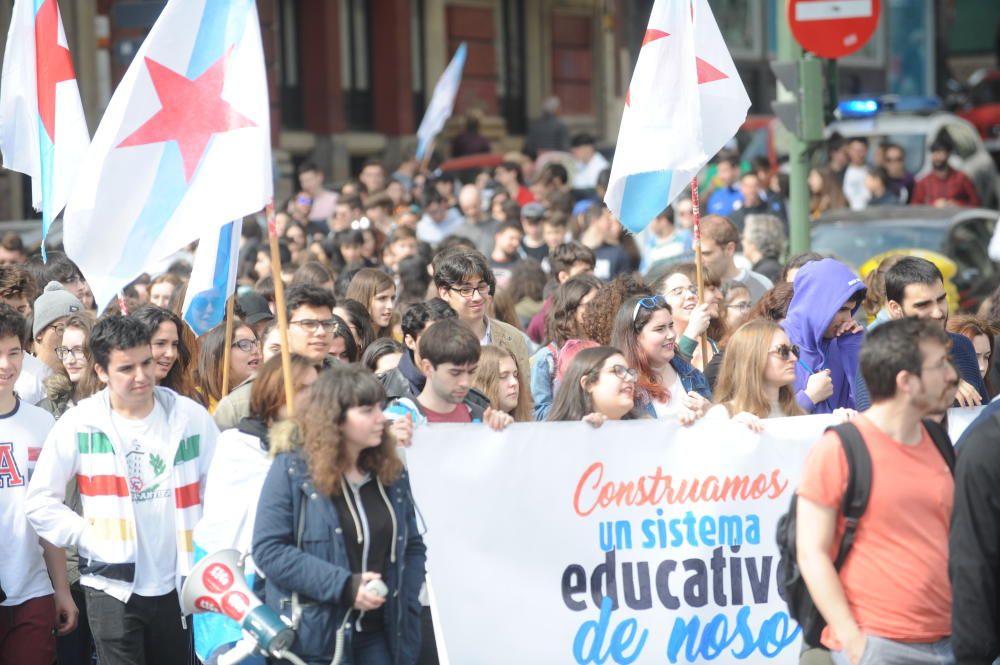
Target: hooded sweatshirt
821, 289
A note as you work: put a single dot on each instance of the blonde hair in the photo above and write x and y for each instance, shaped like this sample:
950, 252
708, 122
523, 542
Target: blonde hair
741, 376
488, 381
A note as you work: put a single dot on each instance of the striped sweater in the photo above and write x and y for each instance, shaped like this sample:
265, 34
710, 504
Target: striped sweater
83, 444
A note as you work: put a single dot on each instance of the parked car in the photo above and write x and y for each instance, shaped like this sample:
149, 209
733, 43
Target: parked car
915, 130
961, 234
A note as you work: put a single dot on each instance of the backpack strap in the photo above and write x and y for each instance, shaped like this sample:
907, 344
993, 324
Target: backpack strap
859, 485
942, 442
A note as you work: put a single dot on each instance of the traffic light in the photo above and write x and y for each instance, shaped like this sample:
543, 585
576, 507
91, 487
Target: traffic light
803, 114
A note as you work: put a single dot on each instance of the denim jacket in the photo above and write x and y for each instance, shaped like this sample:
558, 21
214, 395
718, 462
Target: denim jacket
691, 379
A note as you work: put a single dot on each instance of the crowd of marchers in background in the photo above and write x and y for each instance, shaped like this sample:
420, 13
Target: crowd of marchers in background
413, 299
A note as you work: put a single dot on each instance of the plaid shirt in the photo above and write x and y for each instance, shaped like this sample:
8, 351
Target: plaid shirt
956, 187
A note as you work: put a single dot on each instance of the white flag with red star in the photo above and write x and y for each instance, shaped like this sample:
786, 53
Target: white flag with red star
184, 146
685, 101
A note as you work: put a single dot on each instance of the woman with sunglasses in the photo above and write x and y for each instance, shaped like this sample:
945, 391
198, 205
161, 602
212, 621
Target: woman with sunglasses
692, 319
668, 386
598, 386
244, 359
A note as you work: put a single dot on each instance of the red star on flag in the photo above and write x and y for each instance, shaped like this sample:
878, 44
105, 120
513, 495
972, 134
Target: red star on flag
192, 112
53, 63
706, 72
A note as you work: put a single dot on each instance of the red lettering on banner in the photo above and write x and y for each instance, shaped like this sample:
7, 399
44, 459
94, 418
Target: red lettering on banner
593, 492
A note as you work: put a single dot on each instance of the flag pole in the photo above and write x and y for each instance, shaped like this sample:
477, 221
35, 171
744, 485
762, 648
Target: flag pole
227, 347
699, 274
428, 153
279, 306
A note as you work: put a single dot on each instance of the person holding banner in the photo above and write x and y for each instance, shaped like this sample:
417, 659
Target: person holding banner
339, 518
598, 386
667, 386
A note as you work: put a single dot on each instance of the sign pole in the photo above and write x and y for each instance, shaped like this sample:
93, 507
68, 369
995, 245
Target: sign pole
279, 306
227, 347
699, 273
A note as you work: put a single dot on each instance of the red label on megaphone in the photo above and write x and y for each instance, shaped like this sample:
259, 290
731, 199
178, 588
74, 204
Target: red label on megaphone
217, 577
206, 604
235, 605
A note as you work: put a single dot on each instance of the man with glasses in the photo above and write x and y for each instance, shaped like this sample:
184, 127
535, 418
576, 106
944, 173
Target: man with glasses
311, 326
891, 602
464, 280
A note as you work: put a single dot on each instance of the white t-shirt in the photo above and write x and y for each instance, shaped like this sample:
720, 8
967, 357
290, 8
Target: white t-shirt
30, 384
149, 464
23, 575
855, 192
586, 174
670, 409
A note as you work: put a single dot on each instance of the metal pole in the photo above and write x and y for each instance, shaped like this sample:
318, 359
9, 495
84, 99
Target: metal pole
798, 153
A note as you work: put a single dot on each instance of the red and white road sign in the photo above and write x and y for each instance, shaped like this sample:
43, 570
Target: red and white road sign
833, 28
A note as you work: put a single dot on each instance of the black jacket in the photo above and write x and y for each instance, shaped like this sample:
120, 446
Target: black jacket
406, 381
974, 544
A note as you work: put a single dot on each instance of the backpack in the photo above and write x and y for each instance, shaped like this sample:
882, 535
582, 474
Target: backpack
859, 484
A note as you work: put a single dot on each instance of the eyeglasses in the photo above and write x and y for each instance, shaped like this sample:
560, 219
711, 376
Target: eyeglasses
64, 352
313, 326
679, 290
648, 303
625, 373
482, 288
246, 345
784, 351
741, 306
60, 328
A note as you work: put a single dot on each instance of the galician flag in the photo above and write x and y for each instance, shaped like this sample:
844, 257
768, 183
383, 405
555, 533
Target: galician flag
686, 100
442, 101
43, 132
183, 149
213, 278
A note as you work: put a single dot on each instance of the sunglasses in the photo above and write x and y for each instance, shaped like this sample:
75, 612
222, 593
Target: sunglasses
784, 351
648, 303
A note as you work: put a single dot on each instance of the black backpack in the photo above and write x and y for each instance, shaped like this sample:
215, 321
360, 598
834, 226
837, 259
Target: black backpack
859, 484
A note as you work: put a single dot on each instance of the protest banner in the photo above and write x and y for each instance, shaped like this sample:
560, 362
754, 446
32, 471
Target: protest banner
638, 542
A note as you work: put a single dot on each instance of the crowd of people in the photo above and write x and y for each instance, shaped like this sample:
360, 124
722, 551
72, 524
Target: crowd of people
130, 451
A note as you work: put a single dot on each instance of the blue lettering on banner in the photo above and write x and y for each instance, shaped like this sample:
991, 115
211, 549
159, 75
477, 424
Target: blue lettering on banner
775, 633
621, 639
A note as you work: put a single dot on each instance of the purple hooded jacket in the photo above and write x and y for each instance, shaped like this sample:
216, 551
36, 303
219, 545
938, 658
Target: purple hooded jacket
821, 289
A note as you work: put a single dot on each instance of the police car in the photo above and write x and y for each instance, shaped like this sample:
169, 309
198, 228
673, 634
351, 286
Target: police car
914, 124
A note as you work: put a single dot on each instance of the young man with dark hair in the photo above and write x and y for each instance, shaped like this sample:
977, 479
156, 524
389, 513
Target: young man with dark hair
914, 288
588, 161
464, 280
719, 242
566, 260
597, 223
310, 331
892, 601
449, 356
506, 246
406, 379
315, 197
32, 572
140, 455
727, 197
856, 172
17, 290
61, 269
12, 250
944, 186
439, 220
533, 245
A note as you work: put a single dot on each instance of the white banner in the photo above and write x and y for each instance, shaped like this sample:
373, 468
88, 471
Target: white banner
530, 529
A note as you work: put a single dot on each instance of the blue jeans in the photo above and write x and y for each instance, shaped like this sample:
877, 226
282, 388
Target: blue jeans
369, 649
882, 651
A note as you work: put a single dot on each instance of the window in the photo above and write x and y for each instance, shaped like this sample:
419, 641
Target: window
355, 63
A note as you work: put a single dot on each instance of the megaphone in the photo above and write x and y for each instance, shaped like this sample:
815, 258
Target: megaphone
217, 584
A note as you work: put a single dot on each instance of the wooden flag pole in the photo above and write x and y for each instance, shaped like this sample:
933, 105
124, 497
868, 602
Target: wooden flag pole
227, 347
699, 274
426, 161
279, 306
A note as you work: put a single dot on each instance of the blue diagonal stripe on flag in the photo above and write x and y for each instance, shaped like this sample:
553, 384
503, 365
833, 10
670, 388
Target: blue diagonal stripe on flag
213, 278
645, 196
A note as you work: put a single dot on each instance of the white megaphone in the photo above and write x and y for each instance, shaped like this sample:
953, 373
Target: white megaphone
217, 584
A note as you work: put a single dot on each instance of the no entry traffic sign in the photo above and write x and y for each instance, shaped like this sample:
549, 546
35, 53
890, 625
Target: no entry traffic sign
833, 28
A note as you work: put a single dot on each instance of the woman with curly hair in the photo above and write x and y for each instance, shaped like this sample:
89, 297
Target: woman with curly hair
172, 357
563, 323
336, 537
599, 318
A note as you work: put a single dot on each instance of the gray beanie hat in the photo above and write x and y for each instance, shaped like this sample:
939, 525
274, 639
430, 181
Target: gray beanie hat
54, 303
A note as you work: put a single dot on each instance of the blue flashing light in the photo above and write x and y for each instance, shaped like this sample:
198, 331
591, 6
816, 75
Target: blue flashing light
858, 108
